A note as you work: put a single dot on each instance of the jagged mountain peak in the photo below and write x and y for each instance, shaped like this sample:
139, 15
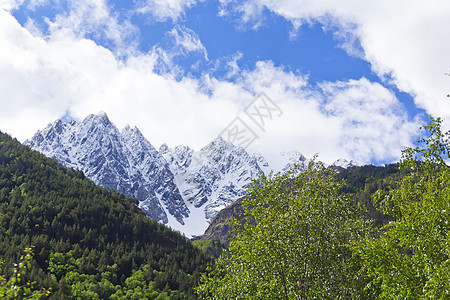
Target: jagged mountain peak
178, 186
218, 145
100, 118
222, 153
131, 130
344, 163
102, 115
261, 160
59, 126
163, 148
124, 161
135, 136
209, 179
293, 155
219, 142
127, 128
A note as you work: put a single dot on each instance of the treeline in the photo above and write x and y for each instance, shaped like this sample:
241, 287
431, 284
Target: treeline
88, 242
311, 235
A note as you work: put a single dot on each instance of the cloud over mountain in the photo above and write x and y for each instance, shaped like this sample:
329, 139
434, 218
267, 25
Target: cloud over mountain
89, 57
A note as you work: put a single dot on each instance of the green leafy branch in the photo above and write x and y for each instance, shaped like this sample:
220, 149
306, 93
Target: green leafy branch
13, 288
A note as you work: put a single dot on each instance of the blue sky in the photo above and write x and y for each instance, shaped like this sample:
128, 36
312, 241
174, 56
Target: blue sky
353, 80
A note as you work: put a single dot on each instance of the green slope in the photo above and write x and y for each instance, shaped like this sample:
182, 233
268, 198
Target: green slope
87, 240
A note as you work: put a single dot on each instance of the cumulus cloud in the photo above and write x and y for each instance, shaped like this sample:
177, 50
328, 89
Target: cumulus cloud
46, 77
355, 118
66, 74
95, 18
42, 77
405, 41
162, 10
372, 121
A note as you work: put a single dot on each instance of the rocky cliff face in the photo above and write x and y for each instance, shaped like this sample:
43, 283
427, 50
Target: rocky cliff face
124, 161
213, 177
219, 228
178, 186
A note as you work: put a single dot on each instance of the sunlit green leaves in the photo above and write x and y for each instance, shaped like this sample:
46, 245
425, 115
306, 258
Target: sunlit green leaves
410, 259
14, 287
294, 243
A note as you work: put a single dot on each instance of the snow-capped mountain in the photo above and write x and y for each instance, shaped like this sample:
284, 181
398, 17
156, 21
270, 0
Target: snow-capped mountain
178, 186
284, 162
124, 161
343, 163
212, 178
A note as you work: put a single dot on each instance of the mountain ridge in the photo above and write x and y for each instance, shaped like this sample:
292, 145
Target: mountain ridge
121, 160
178, 186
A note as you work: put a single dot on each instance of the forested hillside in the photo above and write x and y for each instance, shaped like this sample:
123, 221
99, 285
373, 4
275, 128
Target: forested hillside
88, 243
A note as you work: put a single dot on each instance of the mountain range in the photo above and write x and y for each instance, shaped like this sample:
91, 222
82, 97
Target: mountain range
178, 186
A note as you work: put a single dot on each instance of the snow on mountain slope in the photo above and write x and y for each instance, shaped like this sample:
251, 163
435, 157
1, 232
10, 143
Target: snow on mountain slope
124, 161
178, 186
284, 162
212, 178
343, 163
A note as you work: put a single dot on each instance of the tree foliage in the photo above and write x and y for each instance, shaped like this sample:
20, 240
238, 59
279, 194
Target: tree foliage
361, 183
302, 238
410, 258
88, 241
16, 287
295, 242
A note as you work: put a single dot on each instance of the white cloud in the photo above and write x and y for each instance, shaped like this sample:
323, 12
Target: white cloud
357, 118
162, 10
232, 65
405, 41
33, 4
67, 73
266, 76
249, 13
372, 123
186, 40
10, 4
179, 42
95, 18
43, 78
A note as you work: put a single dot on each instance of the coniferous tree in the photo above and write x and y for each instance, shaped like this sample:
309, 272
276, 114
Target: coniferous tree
86, 239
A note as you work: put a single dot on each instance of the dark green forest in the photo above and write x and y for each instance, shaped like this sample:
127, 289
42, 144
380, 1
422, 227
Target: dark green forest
87, 242
361, 183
